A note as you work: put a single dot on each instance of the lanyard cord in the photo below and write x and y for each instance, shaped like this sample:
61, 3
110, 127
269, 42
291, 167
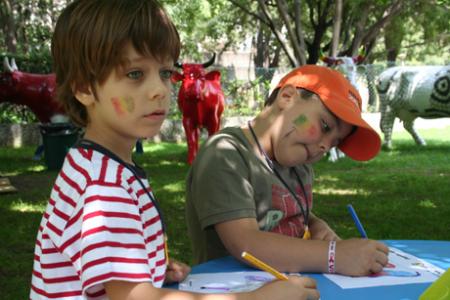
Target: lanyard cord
92, 145
278, 175
152, 199
158, 209
89, 144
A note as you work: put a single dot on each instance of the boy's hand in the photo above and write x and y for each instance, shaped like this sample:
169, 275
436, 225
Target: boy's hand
298, 288
321, 231
176, 271
360, 257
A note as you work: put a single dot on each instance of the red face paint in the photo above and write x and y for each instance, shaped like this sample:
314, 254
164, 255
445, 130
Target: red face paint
312, 131
118, 106
123, 105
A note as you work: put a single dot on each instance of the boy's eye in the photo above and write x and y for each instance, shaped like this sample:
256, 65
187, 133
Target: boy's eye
325, 126
135, 74
166, 74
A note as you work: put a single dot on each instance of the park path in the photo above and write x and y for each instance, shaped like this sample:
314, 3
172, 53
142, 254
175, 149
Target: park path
374, 120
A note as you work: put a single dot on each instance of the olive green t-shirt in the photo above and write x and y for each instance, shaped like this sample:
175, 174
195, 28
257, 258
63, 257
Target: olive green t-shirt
227, 181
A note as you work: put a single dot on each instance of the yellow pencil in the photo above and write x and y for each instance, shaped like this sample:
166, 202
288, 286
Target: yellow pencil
263, 266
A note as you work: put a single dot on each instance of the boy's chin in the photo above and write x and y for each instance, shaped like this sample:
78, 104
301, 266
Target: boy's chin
313, 160
293, 163
148, 134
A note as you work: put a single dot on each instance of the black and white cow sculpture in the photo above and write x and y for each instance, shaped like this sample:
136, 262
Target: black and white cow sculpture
410, 92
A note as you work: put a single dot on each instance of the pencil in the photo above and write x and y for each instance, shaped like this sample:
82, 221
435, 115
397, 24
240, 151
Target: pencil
263, 266
357, 221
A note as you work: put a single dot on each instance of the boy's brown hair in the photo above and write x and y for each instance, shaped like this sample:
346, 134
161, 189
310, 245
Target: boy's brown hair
90, 35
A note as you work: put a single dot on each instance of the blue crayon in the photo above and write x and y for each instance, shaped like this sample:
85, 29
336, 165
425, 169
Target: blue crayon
357, 222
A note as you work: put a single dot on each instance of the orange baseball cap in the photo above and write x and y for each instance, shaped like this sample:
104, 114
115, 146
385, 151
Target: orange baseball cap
343, 100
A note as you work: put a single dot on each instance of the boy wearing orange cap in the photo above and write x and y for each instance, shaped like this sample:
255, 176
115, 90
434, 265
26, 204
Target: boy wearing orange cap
250, 187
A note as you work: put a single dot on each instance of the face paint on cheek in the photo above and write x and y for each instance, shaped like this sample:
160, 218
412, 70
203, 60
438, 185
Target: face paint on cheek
117, 104
312, 131
300, 121
123, 105
128, 103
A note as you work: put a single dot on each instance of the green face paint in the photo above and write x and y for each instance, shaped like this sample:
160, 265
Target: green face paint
128, 103
300, 121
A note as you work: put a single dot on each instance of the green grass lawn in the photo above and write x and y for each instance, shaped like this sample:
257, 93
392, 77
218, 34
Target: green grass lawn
401, 194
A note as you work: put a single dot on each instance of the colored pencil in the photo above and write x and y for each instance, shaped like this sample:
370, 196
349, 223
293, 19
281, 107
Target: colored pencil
263, 266
357, 221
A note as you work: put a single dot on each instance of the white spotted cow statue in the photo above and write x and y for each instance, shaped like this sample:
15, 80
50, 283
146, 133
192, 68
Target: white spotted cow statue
410, 92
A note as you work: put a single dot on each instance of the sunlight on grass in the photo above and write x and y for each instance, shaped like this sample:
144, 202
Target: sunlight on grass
154, 147
174, 187
36, 168
21, 206
169, 163
150, 147
430, 134
334, 191
427, 204
327, 178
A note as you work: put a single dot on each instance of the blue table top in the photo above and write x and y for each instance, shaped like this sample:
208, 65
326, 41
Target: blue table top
435, 252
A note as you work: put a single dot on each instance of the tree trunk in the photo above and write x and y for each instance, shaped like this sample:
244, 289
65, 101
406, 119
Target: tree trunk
8, 25
319, 30
299, 30
293, 37
336, 28
370, 38
393, 37
277, 33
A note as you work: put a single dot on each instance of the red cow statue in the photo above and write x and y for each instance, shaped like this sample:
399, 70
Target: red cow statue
200, 100
37, 91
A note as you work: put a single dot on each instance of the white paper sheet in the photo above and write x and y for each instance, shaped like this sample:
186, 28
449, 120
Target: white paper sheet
231, 282
403, 268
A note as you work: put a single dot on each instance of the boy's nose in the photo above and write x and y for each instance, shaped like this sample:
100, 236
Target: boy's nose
157, 90
326, 144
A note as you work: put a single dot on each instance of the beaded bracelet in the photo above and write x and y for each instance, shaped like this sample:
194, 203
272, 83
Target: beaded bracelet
331, 257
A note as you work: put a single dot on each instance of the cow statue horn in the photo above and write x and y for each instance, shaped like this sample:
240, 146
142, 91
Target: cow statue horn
7, 66
14, 65
209, 62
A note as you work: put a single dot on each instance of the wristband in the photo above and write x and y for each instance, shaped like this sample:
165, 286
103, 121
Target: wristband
331, 257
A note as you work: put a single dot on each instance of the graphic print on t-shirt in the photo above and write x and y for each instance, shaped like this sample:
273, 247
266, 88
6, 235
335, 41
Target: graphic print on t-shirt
286, 217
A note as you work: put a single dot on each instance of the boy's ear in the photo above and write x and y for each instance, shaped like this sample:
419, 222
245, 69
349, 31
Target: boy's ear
286, 96
84, 95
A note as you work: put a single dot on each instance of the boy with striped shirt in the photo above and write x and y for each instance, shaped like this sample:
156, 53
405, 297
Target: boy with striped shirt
102, 235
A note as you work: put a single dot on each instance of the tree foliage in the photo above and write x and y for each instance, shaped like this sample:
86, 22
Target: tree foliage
207, 26
293, 31
304, 29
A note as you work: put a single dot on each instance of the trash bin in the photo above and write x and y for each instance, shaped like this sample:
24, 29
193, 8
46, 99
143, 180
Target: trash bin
57, 139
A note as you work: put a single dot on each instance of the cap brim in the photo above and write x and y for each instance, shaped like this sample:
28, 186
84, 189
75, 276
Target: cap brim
364, 143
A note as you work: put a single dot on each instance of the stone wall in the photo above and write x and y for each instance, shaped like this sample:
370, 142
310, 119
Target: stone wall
17, 135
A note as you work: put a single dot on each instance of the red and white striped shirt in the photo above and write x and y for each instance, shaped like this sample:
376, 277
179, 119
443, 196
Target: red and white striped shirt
99, 225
